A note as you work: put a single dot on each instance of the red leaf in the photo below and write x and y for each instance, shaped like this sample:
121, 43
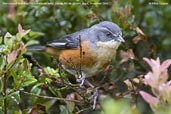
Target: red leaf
91, 16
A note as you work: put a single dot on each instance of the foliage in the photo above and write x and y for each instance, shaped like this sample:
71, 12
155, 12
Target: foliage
15, 70
160, 87
122, 106
32, 82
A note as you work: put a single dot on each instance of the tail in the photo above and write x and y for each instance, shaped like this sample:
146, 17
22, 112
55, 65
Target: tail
36, 48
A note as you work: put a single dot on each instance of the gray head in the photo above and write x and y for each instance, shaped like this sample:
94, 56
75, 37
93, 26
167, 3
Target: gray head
107, 31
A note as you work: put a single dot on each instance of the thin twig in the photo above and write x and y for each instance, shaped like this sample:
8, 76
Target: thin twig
56, 62
81, 56
43, 71
47, 97
5, 93
36, 62
80, 111
52, 77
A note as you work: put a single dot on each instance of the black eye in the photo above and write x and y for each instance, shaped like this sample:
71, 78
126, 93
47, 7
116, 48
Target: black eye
108, 34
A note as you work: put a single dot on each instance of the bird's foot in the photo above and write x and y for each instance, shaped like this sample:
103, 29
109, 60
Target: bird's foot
93, 98
81, 79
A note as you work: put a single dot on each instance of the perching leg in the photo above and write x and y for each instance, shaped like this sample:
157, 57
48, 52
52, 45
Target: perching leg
81, 79
94, 97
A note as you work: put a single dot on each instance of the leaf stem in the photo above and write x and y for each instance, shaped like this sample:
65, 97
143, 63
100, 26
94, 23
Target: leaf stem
5, 93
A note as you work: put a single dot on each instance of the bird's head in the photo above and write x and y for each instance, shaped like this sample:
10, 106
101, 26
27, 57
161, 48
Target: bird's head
107, 34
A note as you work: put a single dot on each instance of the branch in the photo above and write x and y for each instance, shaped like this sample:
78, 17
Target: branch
81, 56
53, 98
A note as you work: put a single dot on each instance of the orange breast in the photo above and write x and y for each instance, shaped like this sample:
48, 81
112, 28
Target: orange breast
92, 62
73, 58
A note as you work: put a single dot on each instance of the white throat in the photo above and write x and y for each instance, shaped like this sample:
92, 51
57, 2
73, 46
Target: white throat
109, 44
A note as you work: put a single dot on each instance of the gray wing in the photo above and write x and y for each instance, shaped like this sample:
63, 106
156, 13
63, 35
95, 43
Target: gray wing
68, 42
64, 43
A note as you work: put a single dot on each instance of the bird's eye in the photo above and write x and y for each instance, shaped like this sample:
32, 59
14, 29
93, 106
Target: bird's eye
108, 34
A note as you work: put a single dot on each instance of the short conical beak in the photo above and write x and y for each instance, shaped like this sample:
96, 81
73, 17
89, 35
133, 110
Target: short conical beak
120, 39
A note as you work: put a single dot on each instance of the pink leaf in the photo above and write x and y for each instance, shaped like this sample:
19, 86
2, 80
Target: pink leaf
70, 105
12, 10
12, 57
158, 61
163, 76
165, 64
153, 63
21, 32
150, 80
20, 29
149, 98
126, 55
165, 91
148, 61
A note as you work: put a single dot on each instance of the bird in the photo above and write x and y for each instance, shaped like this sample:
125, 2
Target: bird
86, 52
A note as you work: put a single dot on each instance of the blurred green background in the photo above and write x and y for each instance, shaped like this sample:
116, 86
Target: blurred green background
55, 19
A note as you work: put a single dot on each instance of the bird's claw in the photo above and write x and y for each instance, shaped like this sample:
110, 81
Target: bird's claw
81, 80
94, 97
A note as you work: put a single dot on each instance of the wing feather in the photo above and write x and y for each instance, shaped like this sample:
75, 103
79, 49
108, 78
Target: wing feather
67, 42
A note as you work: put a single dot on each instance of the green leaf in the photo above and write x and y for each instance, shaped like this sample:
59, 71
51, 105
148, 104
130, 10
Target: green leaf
17, 80
8, 35
2, 63
28, 81
111, 107
8, 40
5, 49
32, 42
2, 47
52, 71
1, 111
26, 111
21, 32
1, 85
50, 103
63, 110
15, 97
36, 88
166, 42
70, 105
33, 34
0, 40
